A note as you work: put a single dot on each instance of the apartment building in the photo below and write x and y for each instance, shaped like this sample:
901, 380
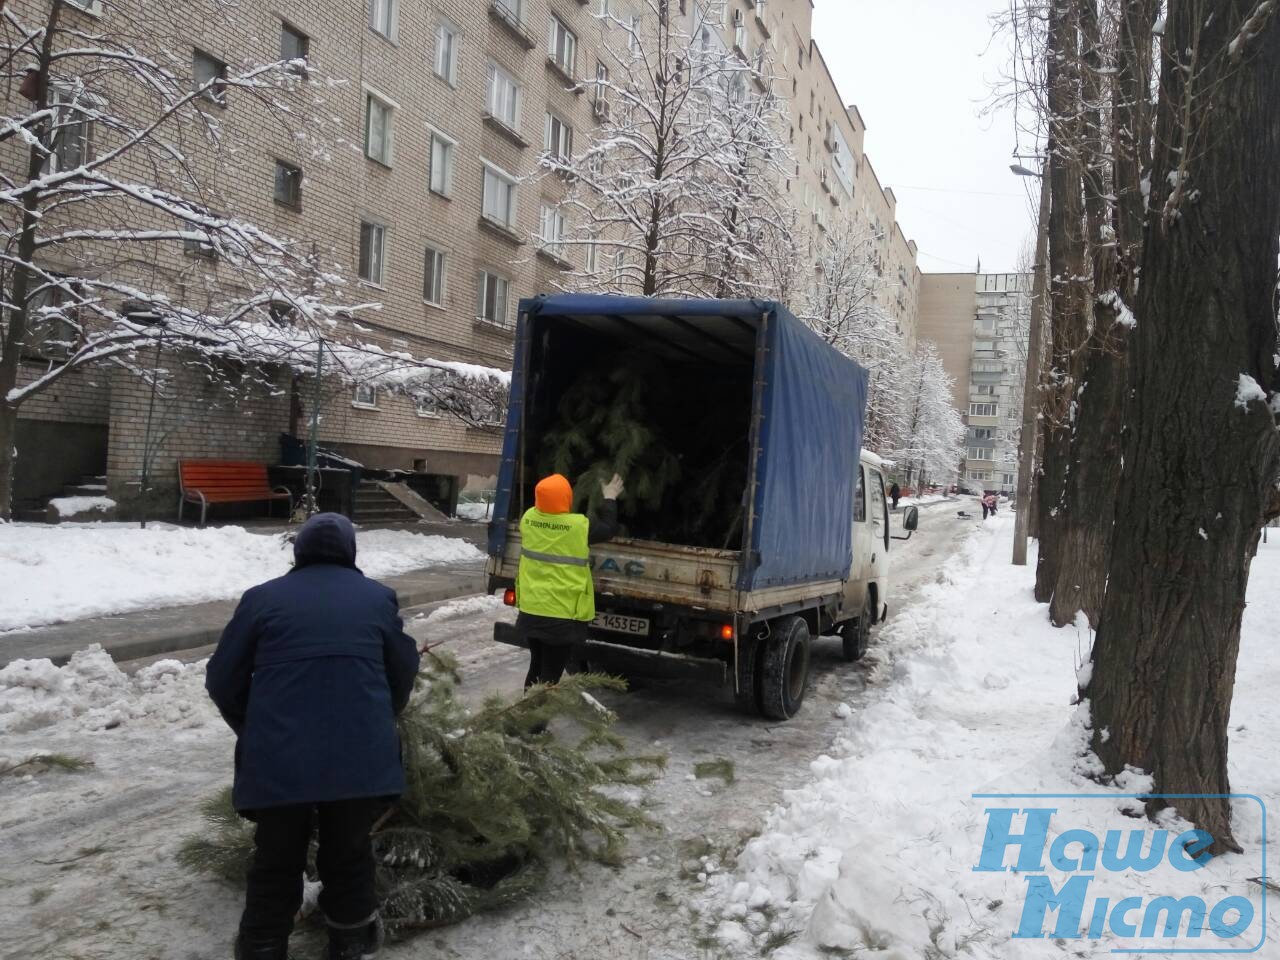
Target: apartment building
439, 114
979, 323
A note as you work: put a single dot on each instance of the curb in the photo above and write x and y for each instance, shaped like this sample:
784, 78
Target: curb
198, 635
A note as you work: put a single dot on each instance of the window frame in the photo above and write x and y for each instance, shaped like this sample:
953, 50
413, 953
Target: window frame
550, 215
447, 26
512, 86
65, 101
449, 146
974, 412
287, 29
860, 495
560, 34
296, 202
381, 259
390, 107
440, 267
216, 93
392, 18
482, 301
557, 147
433, 413
511, 184
371, 403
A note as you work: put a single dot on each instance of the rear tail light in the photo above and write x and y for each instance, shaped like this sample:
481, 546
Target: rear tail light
509, 597
726, 631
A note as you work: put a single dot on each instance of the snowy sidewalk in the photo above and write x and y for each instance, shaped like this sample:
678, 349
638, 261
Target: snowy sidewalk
139, 593
877, 853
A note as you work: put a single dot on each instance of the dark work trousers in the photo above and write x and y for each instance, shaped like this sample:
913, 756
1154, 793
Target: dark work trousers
546, 662
344, 860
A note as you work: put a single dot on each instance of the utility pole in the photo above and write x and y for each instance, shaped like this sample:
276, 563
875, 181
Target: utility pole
312, 439
1031, 382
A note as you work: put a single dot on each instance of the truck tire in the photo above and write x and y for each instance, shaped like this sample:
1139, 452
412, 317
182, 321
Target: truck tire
784, 669
856, 634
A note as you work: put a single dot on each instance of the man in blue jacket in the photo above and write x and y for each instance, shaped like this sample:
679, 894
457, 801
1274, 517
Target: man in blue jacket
310, 674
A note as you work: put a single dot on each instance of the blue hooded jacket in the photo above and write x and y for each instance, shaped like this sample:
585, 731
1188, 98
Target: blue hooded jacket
310, 674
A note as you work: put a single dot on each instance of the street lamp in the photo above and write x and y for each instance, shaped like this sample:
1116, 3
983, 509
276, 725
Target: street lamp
1031, 382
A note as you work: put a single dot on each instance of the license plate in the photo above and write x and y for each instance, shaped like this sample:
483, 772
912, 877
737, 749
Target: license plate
616, 623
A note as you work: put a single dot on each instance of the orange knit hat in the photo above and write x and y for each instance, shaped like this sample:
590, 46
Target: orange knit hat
554, 495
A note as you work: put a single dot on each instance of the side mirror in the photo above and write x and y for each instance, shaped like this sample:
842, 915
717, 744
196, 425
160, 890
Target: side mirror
912, 519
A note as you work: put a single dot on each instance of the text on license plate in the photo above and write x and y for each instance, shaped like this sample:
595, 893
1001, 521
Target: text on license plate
615, 623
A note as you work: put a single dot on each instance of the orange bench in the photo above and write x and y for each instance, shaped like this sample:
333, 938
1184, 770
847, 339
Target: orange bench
226, 481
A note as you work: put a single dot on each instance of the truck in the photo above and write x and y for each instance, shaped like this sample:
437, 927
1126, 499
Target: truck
802, 545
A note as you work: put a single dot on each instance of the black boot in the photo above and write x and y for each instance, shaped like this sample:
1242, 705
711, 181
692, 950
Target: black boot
360, 941
258, 948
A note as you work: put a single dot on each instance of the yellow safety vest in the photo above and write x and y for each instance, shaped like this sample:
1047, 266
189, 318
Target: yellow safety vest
554, 579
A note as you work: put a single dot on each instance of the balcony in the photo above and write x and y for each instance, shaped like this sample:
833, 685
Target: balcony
510, 21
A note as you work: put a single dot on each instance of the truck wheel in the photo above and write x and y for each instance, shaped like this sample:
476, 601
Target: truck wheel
784, 673
856, 634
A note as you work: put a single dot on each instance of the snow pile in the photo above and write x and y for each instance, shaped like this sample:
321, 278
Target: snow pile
50, 574
95, 694
1247, 391
70, 506
876, 854
475, 511
463, 607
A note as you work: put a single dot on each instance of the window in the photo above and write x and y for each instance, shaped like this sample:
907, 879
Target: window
72, 131
288, 184
442, 152
551, 232
593, 256
512, 7
1007, 478
499, 196
210, 76
504, 96
373, 239
378, 115
740, 34
601, 98
981, 453
365, 396
50, 335
425, 406
986, 389
604, 8
493, 298
382, 17
88, 6
447, 53
200, 246
982, 433
433, 277
558, 142
982, 409
562, 46
633, 34
860, 497
294, 45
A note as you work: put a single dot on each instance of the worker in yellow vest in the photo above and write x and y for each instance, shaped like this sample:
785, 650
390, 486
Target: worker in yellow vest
554, 590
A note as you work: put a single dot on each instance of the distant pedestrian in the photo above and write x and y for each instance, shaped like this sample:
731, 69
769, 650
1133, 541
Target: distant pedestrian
895, 494
988, 505
310, 674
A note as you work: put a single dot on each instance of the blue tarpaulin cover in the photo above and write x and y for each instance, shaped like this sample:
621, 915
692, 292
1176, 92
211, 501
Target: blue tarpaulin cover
813, 402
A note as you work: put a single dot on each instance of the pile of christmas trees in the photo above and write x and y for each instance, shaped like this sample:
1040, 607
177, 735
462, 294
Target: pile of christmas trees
682, 453
493, 797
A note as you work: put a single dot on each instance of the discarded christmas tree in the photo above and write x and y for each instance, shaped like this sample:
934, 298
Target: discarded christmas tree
489, 802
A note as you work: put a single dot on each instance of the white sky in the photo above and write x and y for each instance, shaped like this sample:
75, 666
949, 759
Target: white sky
920, 72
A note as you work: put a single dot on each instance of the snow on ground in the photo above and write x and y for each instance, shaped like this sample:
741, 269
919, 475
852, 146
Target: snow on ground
91, 693
475, 511
50, 574
72, 506
876, 855
922, 501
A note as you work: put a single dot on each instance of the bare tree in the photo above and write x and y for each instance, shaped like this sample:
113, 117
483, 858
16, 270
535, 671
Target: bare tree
1202, 449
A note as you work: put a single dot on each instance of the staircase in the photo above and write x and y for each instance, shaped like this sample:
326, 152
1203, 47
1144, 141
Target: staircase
374, 505
37, 511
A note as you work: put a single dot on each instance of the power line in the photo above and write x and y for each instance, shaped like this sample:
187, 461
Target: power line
974, 193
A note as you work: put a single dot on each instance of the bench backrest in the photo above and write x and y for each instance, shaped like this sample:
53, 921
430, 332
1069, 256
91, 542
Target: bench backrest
223, 476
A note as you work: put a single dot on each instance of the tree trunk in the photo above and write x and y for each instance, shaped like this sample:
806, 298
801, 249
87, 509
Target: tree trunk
1068, 296
1087, 509
1199, 468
